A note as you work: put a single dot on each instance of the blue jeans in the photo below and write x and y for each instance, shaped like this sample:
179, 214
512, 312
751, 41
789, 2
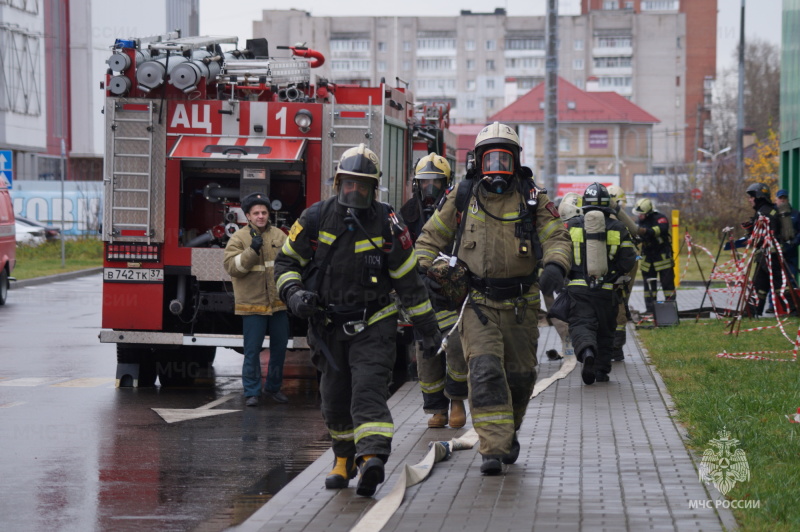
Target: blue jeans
255, 329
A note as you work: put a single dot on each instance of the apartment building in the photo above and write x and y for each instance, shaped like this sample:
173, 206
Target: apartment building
659, 54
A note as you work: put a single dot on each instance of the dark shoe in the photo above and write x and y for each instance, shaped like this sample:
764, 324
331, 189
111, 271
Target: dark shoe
512, 456
278, 397
251, 401
617, 355
588, 367
371, 475
601, 377
491, 466
344, 468
552, 354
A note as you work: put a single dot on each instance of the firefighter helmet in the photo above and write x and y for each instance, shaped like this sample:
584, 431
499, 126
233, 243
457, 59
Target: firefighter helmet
431, 177
255, 198
618, 193
497, 150
596, 195
643, 206
758, 191
357, 176
570, 206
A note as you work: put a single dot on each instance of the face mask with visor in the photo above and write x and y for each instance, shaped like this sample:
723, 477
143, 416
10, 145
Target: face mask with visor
355, 193
498, 169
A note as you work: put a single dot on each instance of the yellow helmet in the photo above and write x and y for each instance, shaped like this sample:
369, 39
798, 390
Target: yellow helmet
618, 193
643, 206
432, 166
357, 176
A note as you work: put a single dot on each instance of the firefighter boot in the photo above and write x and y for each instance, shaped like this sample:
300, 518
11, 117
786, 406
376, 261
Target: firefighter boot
512, 456
588, 366
437, 421
458, 416
371, 475
491, 466
344, 468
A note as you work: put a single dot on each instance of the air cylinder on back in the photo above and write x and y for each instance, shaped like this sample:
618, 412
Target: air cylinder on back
594, 223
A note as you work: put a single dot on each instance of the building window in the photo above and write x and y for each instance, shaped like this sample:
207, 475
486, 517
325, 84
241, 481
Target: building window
524, 62
406, 46
579, 83
564, 143
381, 46
591, 169
406, 65
491, 45
628, 4
526, 44
470, 64
340, 66
621, 41
470, 84
571, 169
381, 66
490, 83
435, 43
577, 64
435, 64
469, 44
613, 62
360, 65
615, 81
610, 4
490, 64
578, 45
350, 45
470, 104
490, 103
659, 5
436, 84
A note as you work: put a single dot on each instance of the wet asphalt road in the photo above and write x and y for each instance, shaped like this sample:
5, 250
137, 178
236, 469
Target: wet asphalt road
79, 454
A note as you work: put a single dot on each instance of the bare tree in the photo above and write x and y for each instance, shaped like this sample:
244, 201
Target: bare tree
762, 82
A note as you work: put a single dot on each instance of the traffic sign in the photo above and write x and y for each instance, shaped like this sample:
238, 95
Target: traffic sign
696, 193
7, 166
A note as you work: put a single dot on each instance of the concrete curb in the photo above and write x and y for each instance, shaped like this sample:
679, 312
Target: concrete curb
55, 278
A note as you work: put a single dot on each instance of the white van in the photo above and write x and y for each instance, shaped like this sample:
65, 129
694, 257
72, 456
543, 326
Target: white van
8, 240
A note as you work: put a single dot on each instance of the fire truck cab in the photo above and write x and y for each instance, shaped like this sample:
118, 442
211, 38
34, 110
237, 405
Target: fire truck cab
193, 125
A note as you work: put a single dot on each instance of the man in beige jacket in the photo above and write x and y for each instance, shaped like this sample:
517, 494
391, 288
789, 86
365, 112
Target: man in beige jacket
249, 260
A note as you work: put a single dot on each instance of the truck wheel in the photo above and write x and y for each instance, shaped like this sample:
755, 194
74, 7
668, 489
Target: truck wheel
3, 286
136, 355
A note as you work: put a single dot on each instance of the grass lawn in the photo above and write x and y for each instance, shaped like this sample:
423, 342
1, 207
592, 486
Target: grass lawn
45, 259
748, 398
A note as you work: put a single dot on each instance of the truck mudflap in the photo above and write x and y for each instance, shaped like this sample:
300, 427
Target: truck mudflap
166, 338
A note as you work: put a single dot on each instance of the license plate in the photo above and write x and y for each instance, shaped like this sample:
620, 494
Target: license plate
133, 275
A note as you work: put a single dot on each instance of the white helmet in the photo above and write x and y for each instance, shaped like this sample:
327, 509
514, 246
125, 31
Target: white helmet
358, 169
618, 194
570, 206
497, 155
643, 206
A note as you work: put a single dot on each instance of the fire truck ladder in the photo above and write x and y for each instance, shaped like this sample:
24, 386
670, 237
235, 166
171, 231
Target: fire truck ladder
354, 119
130, 173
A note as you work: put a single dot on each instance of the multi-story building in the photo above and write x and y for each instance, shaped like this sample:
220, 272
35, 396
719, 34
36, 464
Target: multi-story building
659, 54
52, 59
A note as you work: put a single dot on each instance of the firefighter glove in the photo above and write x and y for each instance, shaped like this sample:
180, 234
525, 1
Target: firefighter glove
257, 242
431, 337
438, 300
552, 278
302, 303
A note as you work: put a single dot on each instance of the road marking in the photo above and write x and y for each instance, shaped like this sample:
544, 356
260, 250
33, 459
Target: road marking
12, 404
27, 381
174, 415
85, 382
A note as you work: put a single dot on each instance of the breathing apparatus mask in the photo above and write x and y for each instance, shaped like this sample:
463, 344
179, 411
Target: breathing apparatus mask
355, 193
497, 168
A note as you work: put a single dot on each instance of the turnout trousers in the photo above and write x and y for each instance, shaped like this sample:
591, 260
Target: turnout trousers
443, 377
354, 395
667, 276
593, 317
501, 361
621, 335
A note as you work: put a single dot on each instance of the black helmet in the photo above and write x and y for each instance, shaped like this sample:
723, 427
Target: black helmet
758, 191
596, 195
255, 198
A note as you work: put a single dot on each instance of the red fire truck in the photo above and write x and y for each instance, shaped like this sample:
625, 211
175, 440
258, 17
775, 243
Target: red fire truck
193, 125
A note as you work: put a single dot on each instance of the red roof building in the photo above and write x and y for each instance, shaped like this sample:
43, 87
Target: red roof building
600, 133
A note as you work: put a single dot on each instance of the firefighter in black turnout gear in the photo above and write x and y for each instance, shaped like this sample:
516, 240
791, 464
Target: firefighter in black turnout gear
758, 196
442, 377
341, 260
657, 253
602, 254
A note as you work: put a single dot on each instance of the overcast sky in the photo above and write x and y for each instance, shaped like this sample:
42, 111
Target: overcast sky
235, 17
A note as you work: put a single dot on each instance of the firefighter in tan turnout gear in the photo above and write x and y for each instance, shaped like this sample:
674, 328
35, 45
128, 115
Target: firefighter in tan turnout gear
500, 228
338, 267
